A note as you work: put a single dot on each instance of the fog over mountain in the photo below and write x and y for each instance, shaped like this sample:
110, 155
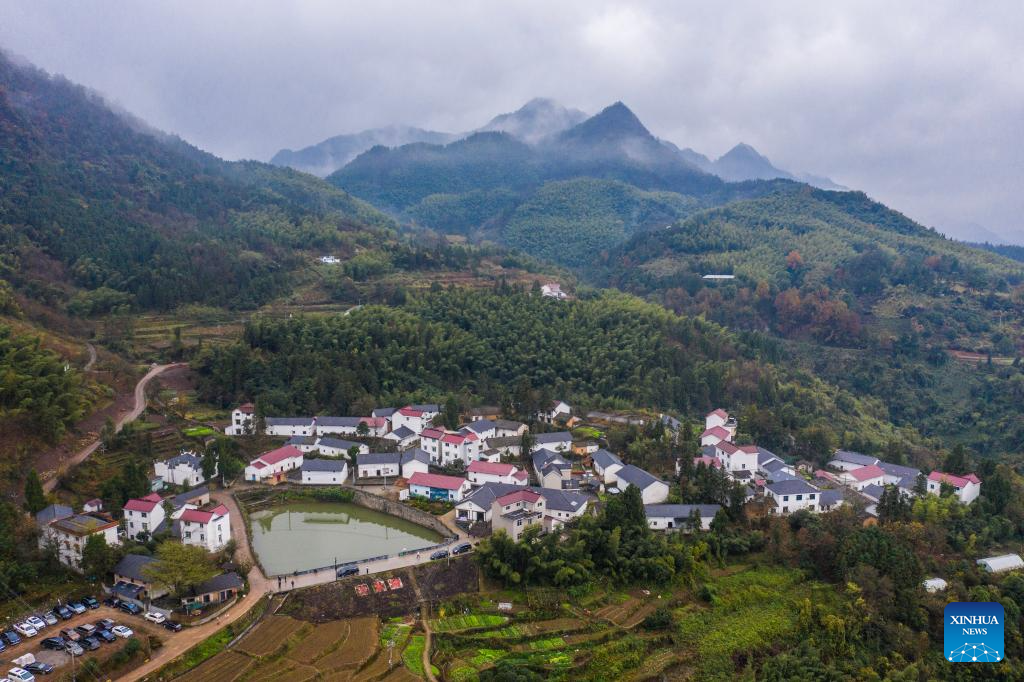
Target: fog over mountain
922, 109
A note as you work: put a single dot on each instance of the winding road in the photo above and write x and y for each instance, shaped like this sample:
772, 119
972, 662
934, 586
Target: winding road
132, 415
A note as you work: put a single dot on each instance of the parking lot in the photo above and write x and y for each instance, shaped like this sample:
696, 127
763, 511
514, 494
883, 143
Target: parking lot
33, 645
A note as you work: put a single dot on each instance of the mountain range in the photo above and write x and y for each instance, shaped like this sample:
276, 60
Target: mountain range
536, 122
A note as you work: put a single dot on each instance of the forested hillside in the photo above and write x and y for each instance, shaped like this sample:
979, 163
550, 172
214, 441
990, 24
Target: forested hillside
97, 211
517, 349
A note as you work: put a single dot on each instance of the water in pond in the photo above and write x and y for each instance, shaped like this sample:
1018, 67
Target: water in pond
305, 535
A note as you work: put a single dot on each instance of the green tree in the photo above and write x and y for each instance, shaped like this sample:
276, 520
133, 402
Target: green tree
98, 558
35, 498
451, 413
179, 567
209, 463
362, 430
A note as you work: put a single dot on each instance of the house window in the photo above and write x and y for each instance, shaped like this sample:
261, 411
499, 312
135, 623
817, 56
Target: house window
799, 497
811, 496
785, 498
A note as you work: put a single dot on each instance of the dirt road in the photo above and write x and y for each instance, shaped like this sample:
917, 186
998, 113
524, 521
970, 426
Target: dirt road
131, 415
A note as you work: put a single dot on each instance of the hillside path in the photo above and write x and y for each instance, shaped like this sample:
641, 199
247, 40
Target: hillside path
131, 415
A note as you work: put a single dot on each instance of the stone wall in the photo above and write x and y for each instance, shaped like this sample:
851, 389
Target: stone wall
417, 516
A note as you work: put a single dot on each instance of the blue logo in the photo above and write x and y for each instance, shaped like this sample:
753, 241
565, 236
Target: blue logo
973, 632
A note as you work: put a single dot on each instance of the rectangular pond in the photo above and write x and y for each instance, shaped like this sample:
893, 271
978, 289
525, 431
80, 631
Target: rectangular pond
303, 535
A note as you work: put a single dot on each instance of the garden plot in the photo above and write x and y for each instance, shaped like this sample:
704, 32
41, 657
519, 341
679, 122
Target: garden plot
270, 635
226, 666
323, 640
467, 622
357, 650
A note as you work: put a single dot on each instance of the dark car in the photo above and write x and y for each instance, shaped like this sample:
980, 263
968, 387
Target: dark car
462, 549
90, 643
91, 602
105, 623
64, 612
86, 629
172, 626
439, 554
39, 668
346, 571
106, 636
55, 643
129, 607
11, 637
112, 602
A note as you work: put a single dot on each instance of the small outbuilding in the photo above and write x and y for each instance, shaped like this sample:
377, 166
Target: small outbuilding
1002, 563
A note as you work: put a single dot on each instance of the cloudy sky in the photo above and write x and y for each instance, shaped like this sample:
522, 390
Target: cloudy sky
921, 105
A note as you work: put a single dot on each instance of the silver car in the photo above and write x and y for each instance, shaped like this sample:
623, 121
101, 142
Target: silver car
73, 648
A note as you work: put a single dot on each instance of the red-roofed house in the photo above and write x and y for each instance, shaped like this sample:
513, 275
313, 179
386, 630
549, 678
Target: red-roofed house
966, 488
480, 472
445, 447
206, 528
242, 420
142, 515
862, 477
721, 419
412, 418
736, 457
715, 435
273, 467
438, 487
516, 511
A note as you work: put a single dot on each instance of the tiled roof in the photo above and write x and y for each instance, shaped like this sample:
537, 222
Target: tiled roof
556, 500
867, 473
854, 458
334, 465
131, 565
718, 413
220, 583
496, 468
717, 432
556, 437
521, 495
143, 504
203, 517
377, 458
791, 487
957, 481
402, 432
337, 444
605, 459
636, 476
436, 481
681, 511
278, 455
289, 421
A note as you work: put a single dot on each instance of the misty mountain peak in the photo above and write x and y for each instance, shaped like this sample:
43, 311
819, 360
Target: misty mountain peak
615, 122
539, 118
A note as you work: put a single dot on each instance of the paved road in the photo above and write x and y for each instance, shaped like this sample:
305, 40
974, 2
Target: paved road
140, 406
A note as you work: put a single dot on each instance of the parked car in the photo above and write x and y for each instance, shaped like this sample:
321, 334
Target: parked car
90, 643
73, 648
462, 549
36, 622
39, 668
20, 675
172, 626
105, 623
54, 643
25, 630
2, 648
439, 554
50, 617
70, 635
105, 636
112, 602
154, 617
129, 607
64, 612
122, 631
346, 571
77, 607
11, 637
91, 602
86, 629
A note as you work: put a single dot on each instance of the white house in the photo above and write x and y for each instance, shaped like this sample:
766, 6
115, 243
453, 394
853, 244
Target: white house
966, 488
720, 418
209, 529
324, 471
561, 506
551, 469
415, 461
715, 435
143, 515
934, 585
736, 458
185, 469
846, 460
243, 421
288, 426
862, 477
438, 487
376, 427
68, 532
680, 516
605, 466
652, 490
509, 446
553, 290
379, 465
495, 428
446, 447
402, 437
559, 441
1001, 563
480, 472
412, 418
899, 475
558, 410
793, 495
772, 467
273, 467
337, 447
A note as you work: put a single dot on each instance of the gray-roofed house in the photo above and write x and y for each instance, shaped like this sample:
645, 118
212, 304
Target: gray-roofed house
652, 490
216, 590
184, 469
415, 461
379, 465
793, 495
52, 513
130, 571
551, 469
680, 516
288, 426
324, 471
509, 446
197, 496
605, 465
830, 498
873, 492
384, 412
338, 447
847, 460
403, 437
895, 473
560, 441
561, 505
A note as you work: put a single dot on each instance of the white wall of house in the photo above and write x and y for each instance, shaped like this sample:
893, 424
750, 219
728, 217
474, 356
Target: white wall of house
966, 495
607, 474
253, 473
325, 477
210, 536
793, 502
414, 466
377, 470
182, 474
69, 545
138, 522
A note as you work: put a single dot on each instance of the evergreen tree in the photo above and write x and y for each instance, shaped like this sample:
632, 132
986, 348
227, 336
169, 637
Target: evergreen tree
35, 499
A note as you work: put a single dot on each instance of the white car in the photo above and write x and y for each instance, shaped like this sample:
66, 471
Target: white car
154, 617
36, 622
20, 675
122, 631
25, 630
